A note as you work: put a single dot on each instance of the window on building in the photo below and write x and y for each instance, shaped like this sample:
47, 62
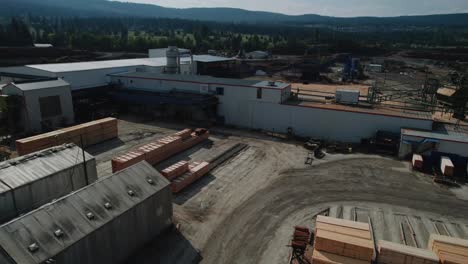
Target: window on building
259, 93
220, 90
50, 106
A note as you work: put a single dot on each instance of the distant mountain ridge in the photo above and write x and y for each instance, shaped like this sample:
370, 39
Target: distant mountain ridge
92, 8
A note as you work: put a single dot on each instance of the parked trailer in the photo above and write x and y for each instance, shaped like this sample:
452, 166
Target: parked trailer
104, 222
31, 181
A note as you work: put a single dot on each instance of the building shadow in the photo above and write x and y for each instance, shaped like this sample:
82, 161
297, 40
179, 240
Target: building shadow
193, 189
104, 146
169, 247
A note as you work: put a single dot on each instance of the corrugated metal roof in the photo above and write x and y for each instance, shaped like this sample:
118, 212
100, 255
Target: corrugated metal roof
458, 137
29, 168
70, 214
204, 79
95, 65
29, 86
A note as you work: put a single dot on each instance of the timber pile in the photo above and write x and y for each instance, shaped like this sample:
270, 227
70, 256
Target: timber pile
342, 241
446, 166
92, 133
417, 162
175, 170
450, 250
392, 253
162, 149
195, 172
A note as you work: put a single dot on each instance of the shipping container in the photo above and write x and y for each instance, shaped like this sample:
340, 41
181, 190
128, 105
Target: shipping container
347, 96
105, 222
30, 181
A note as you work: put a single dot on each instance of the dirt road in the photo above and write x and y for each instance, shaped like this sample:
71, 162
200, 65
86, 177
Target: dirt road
248, 234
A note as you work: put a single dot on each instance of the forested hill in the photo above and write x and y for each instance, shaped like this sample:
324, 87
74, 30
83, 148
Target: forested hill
94, 8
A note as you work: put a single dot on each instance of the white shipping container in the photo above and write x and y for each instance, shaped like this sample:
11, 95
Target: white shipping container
446, 166
347, 96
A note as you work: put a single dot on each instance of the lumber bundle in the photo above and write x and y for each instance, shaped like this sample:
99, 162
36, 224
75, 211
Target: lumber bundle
446, 166
393, 253
321, 257
342, 241
450, 250
91, 133
196, 171
175, 170
161, 149
417, 162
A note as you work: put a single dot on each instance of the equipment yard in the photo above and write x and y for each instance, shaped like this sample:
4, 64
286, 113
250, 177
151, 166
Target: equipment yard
244, 210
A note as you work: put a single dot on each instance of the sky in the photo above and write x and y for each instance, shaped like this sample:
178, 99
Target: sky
341, 8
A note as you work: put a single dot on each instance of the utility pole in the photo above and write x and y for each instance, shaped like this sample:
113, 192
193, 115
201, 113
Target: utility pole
84, 160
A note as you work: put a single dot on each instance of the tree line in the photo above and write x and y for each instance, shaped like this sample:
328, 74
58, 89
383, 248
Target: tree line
141, 34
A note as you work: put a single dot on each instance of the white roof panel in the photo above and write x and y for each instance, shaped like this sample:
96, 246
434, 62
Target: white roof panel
96, 65
41, 85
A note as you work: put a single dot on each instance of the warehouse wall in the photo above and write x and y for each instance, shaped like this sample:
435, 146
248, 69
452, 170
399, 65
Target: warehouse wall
320, 123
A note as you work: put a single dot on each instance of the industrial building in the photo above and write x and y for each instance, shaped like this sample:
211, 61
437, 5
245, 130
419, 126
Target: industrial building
33, 180
104, 222
44, 104
181, 84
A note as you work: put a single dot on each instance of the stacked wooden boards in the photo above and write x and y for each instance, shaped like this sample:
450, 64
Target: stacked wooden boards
161, 149
90, 133
450, 250
394, 253
196, 171
342, 241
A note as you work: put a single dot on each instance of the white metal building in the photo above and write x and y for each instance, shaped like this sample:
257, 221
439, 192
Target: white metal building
104, 222
259, 105
30, 181
44, 103
448, 142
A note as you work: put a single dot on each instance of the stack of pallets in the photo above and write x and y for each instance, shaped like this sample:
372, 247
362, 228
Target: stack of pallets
90, 133
342, 241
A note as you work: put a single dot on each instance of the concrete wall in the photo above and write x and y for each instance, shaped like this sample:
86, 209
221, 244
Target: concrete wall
320, 123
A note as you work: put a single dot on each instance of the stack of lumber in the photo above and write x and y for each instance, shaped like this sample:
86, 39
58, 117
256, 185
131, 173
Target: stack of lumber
342, 241
417, 162
393, 253
91, 133
175, 170
196, 171
126, 160
450, 250
161, 149
446, 166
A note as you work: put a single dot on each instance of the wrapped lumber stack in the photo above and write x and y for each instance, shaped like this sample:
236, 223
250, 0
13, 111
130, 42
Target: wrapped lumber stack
417, 162
162, 149
393, 253
196, 171
450, 250
446, 166
126, 160
175, 170
91, 133
342, 241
